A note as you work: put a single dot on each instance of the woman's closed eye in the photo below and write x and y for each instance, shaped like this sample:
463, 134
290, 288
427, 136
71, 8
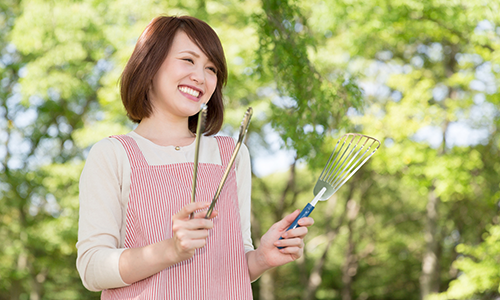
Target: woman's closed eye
188, 60
213, 69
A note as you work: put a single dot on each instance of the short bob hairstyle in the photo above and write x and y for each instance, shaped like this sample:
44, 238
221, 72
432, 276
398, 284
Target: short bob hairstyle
152, 49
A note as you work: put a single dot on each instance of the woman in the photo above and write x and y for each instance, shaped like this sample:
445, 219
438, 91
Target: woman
136, 237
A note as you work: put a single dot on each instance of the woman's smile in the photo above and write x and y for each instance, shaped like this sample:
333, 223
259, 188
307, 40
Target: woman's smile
186, 78
190, 91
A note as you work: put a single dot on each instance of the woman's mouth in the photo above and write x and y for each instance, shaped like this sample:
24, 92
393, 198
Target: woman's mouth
189, 91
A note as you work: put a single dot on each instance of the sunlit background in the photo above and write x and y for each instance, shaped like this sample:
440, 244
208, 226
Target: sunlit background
419, 220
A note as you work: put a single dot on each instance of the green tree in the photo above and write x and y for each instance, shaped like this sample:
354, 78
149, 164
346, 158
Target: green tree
429, 69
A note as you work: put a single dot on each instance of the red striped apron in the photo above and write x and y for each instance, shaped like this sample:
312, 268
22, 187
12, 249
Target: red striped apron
217, 271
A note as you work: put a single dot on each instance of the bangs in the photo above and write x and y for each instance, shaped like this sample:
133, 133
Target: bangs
207, 40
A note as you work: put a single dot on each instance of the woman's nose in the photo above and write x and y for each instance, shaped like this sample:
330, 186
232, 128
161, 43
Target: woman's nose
198, 75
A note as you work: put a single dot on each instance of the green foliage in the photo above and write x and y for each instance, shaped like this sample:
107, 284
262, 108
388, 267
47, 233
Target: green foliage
310, 103
311, 70
480, 267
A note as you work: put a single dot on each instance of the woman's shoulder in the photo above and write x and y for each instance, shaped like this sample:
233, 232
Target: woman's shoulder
108, 148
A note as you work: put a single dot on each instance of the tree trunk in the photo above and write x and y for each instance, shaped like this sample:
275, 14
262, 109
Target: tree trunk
350, 266
429, 282
315, 279
266, 286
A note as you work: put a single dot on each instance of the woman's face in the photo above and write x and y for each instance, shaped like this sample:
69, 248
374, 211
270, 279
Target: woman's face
185, 80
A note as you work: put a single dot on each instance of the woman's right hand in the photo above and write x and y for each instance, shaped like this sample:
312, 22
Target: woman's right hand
189, 233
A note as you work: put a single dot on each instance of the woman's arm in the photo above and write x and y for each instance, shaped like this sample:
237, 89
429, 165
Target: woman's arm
102, 261
101, 216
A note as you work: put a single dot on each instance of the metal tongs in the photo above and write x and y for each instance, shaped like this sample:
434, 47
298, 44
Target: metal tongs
200, 127
241, 137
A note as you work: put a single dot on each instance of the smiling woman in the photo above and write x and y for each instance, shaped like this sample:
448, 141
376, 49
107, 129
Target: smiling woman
149, 56
137, 239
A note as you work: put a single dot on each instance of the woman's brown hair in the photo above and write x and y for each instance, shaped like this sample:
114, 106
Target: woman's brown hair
151, 50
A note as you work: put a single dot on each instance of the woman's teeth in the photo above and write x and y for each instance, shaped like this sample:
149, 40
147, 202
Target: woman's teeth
189, 91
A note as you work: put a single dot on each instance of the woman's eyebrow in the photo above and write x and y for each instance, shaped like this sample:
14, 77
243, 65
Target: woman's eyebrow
191, 52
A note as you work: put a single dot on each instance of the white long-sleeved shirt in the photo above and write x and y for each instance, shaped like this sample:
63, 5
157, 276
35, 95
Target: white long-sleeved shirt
104, 195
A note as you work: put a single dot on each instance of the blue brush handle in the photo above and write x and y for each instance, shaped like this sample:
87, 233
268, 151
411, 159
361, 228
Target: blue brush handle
304, 213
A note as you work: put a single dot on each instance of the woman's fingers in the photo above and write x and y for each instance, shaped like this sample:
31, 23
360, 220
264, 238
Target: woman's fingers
290, 242
306, 222
296, 232
190, 208
203, 213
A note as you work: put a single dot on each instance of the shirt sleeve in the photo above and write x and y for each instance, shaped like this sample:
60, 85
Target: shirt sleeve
101, 217
244, 182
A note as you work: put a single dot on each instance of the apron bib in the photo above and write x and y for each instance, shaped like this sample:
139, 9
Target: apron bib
217, 271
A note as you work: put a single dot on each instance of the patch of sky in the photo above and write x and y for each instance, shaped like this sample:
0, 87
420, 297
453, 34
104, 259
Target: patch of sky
320, 129
13, 101
4, 83
63, 125
3, 152
248, 71
477, 85
53, 131
265, 91
35, 100
76, 106
465, 58
308, 128
496, 68
104, 65
436, 52
54, 94
353, 112
284, 102
15, 163
417, 61
52, 207
100, 68
36, 203
3, 119
396, 96
431, 135
298, 27
483, 113
22, 72
18, 146
384, 55
374, 89
484, 25
407, 69
440, 92
484, 73
25, 118
68, 145
100, 115
7, 59
9, 55
462, 134
47, 148
287, 24
388, 142
238, 60
276, 159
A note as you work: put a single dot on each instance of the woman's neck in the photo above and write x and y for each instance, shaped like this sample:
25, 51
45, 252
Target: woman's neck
165, 132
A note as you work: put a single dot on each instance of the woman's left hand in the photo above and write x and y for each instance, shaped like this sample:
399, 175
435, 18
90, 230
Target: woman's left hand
292, 243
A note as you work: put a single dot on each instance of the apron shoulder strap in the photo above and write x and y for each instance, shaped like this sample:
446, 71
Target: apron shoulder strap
134, 154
